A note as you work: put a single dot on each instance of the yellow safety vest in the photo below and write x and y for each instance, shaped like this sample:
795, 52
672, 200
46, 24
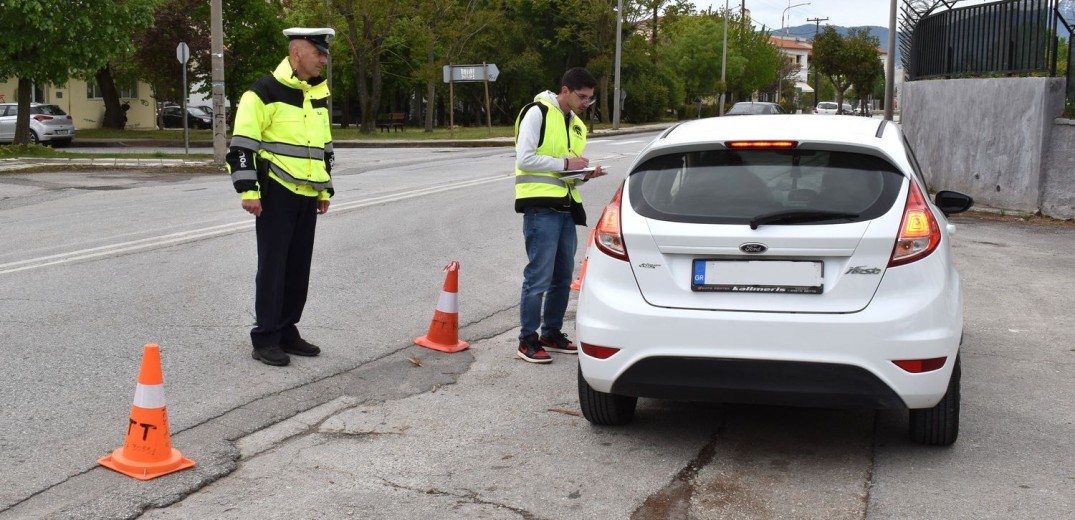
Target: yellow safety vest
285, 122
558, 139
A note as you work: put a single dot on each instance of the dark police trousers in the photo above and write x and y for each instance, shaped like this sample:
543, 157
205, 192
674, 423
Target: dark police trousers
285, 232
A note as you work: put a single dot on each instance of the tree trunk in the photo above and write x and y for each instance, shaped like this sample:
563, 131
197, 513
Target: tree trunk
115, 117
22, 122
431, 91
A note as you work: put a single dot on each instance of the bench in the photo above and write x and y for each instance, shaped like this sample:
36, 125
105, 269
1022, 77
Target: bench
393, 122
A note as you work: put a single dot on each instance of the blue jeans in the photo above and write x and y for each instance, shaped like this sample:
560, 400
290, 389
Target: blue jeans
550, 246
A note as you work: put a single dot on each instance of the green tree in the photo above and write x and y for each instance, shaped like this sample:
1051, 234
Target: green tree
846, 61
367, 32
694, 53
46, 42
439, 32
593, 29
869, 74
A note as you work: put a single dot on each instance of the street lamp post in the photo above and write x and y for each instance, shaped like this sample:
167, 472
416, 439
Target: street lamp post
817, 77
617, 96
723, 59
780, 80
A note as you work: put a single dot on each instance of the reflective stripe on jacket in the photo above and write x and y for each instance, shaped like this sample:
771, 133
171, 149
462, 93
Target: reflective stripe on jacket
558, 140
282, 129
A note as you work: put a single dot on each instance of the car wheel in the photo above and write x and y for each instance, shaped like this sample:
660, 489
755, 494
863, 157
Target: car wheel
34, 139
605, 409
938, 426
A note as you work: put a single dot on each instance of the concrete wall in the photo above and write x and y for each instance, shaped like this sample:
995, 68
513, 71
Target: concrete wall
1058, 188
989, 138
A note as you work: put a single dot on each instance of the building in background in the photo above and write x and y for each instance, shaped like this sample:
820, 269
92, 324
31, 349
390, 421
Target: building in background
82, 101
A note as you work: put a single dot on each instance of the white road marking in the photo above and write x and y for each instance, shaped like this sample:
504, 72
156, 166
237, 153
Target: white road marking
222, 229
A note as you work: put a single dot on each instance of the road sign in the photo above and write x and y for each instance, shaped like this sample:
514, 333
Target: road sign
182, 53
465, 73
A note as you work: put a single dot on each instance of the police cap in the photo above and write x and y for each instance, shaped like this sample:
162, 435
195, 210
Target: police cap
319, 36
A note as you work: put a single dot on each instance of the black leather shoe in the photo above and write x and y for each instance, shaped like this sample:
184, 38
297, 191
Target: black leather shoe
271, 355
300, 347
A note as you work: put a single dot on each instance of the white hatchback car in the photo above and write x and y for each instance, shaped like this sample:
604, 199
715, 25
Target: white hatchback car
775, 260
48, 124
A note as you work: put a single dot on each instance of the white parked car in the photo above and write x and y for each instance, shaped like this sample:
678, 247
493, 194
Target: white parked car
831, 108
48, 124
775, 260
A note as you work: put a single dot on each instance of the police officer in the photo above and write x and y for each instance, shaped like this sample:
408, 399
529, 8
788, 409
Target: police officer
550, 139
280, 160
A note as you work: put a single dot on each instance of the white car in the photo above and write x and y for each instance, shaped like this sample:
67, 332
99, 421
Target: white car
775, 260
48, 124
831, 108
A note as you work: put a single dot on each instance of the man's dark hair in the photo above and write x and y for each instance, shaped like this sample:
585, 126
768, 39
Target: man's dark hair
577, 78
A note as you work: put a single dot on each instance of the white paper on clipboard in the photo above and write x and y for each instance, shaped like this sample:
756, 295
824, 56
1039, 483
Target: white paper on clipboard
577, 174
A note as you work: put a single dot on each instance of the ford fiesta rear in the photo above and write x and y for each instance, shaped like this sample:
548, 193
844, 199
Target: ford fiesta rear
790, 272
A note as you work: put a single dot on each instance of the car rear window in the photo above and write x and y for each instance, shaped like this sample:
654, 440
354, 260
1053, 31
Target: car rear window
51, 110
735, 186
827, 106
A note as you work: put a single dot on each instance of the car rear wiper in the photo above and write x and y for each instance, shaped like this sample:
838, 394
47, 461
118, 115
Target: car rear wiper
799, 215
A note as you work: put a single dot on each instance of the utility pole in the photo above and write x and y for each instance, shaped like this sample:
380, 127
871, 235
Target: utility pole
890, 63
216, 28
817, 84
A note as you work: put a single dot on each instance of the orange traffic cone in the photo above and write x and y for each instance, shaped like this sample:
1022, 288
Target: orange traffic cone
443, 332
147, 452
577, 284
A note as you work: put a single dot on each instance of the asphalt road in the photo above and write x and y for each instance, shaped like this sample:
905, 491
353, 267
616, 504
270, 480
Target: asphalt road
97, 264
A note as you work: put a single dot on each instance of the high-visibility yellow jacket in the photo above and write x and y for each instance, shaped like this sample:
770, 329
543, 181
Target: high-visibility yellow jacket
558, 139
282, 131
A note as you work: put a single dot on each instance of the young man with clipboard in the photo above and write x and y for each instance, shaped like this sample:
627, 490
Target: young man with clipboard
550, 138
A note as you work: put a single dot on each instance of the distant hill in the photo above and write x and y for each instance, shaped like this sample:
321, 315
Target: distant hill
807, 31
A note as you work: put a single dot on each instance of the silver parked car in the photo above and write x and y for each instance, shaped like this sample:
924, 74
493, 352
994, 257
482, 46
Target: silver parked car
48, 124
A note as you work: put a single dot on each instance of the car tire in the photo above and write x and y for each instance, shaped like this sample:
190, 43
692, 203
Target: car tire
34, 139
605, 409
938, 426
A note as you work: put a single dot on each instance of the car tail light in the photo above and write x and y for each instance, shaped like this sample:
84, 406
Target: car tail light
917, 366
608, 237
761, 144
598, 352
919, 232
42, 117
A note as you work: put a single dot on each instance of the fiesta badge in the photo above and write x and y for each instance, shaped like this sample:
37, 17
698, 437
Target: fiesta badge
753, 248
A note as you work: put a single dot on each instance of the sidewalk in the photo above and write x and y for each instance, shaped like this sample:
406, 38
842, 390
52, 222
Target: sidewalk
105, 161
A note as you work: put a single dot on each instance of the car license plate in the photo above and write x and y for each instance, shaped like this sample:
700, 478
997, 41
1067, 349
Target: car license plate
758, 276
61, 132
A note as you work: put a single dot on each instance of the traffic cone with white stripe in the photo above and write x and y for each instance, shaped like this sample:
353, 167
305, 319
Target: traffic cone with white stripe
577, 284
443, 332
147, 452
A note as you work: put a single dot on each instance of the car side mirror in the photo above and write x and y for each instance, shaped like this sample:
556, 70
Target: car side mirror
950, 202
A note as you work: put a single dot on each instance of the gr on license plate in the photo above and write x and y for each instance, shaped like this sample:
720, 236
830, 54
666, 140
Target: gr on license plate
758, 276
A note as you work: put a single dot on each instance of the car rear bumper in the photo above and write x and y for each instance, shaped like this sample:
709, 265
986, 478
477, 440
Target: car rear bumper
759, 382
806, 359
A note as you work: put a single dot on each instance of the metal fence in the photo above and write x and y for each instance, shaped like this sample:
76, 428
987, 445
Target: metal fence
1006, 37
1068, 24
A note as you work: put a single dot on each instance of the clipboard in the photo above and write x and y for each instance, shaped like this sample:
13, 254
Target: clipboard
577, 174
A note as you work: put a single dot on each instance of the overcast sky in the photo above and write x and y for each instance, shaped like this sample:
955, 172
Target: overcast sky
846, 13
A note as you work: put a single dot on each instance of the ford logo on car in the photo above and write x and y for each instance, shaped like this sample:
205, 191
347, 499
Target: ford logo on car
754, 248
